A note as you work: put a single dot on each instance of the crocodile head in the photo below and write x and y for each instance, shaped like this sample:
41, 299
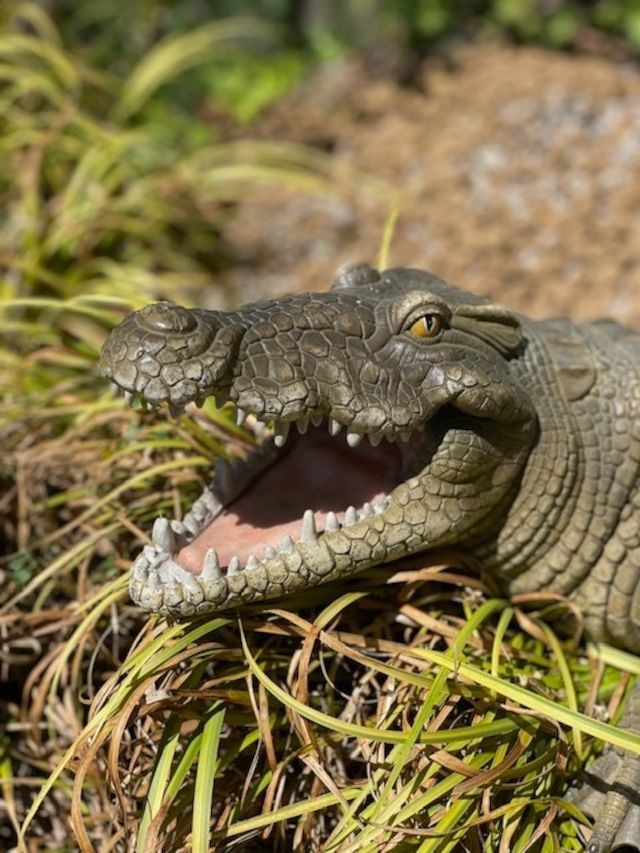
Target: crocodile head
398, 427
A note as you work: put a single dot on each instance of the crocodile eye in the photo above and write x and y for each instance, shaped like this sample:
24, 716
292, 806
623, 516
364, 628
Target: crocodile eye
427, 326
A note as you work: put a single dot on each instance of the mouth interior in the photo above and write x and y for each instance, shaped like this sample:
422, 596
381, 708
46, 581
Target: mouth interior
315, 471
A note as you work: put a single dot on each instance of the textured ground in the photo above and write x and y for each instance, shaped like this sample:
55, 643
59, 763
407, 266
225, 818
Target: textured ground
520, 175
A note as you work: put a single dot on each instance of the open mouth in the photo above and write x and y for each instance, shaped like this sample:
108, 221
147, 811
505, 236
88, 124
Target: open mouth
302, 498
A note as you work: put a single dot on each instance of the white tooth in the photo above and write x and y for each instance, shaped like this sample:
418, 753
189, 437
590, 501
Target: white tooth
211, 501
162, 535
391, 438
331, 524
259, 429
199, 510
179, 529
234, 567
191, 583
302, 425
114, 387
191, 524
211, 566
334, 427
309, 534
270, 552
374, 438
350, 516
241, 416
353, 439
287, 544
405, 437
316, 420
368, 510
381, 504
128, 396
282, 431
252, 563
221, 400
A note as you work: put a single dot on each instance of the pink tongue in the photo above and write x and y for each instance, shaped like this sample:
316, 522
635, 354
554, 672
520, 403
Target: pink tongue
317, 472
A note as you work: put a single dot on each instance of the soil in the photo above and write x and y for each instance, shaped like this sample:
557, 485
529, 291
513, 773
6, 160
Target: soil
516, 172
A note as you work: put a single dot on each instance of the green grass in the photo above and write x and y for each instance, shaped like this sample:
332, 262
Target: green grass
408, 709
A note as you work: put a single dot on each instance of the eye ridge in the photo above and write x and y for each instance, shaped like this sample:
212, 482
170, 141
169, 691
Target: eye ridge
427, 326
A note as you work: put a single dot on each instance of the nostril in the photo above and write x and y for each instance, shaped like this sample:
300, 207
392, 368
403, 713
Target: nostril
167, 317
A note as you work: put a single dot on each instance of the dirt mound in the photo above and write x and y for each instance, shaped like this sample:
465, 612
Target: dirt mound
519, 171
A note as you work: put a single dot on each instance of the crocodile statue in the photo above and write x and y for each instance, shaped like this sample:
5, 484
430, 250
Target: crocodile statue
423, 417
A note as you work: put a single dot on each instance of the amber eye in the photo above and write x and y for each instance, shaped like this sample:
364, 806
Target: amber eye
427, 326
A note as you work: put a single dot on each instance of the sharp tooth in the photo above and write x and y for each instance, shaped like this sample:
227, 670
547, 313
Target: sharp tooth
241, 415
191, 582
128, 396
405, 437
287, 545
179, 529
334, 427
331, 524
211, 501
114, 387
162, 535
350, 516
316, 420
353, 439
302, 425
270, 552
281, 433
259, 429
191, 524
175, 410
368, 510
381, 504
221, 400
309, 534
199, 401
252, 563
234, 567
199, 510
374, 438
211, 567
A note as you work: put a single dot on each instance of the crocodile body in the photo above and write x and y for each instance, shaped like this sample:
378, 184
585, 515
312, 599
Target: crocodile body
429, 417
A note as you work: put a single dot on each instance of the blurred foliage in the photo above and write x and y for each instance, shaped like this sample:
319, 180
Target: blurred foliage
321, 27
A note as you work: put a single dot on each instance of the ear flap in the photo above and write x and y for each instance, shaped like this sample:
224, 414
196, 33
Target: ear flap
573, 360
492, 324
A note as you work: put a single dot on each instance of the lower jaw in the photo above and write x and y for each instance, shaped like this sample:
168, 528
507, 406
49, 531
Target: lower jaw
258, 546
165, 586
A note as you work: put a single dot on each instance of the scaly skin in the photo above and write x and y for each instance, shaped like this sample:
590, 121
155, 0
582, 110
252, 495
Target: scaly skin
525, 443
